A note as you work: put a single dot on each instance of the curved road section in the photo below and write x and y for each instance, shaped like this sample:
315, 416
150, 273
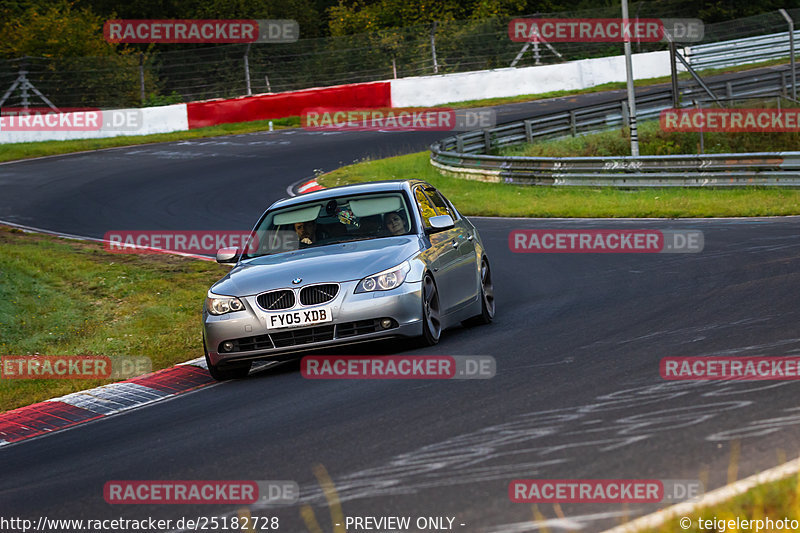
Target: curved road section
578, 340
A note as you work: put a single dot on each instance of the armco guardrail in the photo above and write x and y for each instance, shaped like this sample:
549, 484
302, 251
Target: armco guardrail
740, 51
465, 155
709, 170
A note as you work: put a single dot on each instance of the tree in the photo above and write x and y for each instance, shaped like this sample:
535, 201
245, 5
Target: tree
58, 30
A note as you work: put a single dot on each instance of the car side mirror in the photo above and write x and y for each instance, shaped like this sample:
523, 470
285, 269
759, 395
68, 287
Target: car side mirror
440, 223
227, 255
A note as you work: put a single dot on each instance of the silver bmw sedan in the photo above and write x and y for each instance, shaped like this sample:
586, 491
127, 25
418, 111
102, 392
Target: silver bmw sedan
345, 265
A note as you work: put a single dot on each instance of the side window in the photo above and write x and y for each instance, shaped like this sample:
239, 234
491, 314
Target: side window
425, 206
442, 207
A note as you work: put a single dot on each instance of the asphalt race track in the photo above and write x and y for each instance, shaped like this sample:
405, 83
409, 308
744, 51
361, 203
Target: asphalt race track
577, 339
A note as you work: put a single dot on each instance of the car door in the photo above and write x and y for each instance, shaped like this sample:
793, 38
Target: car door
443, 255
464, 271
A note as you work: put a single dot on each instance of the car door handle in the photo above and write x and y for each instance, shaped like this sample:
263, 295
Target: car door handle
455, 244
469, 236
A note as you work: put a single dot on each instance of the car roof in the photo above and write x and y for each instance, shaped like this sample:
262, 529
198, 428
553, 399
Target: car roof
343, 190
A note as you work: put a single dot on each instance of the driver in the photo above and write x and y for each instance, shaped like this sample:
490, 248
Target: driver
395, 224
306, 231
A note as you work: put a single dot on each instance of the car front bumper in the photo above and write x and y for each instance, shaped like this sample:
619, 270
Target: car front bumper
355, 318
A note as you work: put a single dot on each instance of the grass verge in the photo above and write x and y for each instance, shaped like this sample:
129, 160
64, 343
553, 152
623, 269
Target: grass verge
654, 141
778, 500
498, 199
66, 297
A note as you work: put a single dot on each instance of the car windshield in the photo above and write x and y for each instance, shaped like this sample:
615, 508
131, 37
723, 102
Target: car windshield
331, 221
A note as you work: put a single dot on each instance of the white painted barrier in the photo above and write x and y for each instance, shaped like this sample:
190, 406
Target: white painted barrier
572, 75
92, 125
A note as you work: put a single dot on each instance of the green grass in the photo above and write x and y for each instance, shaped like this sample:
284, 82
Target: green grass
777, 501
498, 199
66, 297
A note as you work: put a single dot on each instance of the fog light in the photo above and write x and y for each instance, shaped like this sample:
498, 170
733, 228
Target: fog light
227, 346
386, 323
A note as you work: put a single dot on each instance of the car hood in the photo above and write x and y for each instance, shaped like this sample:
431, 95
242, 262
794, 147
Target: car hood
332, 263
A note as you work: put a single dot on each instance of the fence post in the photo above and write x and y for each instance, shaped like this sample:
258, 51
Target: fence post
266, 79
791, 50
729, 89
141, 76
459, 144
673, 74
573, 128
247, 69
433, 47
528, 131
487, 141
394, 67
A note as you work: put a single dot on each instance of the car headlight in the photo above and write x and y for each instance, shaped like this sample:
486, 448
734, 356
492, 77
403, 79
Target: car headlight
385, 281
219, 305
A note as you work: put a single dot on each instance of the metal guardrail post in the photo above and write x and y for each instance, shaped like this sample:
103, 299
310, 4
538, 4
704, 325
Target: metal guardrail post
487, 140
791, 50
728, 89
573, 127
528, 131
460, 144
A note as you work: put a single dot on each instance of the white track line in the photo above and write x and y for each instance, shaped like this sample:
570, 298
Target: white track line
714, 497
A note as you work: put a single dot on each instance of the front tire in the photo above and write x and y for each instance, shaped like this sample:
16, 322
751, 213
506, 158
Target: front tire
487, 298
431, 312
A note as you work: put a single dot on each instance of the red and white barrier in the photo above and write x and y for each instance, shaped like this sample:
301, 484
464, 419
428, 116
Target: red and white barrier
289, 104
405, 92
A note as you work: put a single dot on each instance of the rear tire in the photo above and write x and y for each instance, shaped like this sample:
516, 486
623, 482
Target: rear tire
487, 298
225, 372
431, 312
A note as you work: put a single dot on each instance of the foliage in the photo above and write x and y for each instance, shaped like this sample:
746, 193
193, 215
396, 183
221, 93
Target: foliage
57, 30
158, 99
